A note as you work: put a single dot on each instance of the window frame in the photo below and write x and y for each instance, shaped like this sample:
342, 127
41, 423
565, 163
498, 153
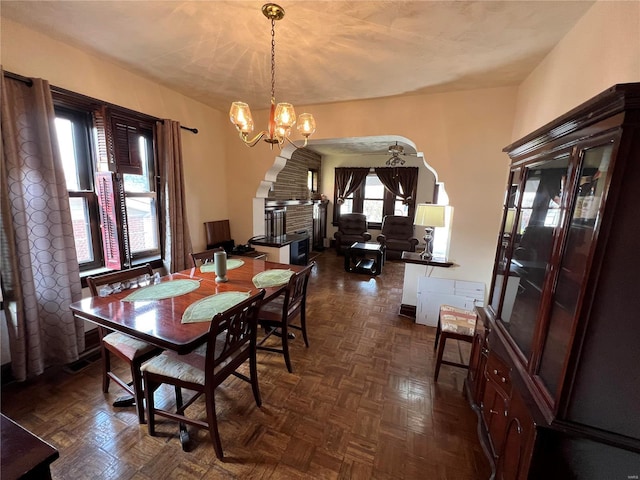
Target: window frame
153, 182
83, 147
106, 155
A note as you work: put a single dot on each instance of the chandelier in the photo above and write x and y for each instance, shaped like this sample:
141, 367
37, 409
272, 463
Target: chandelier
282, 117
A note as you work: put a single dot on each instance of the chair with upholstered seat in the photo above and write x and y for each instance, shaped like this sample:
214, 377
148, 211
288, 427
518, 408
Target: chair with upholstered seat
231, 341
456, 324
131, 350
397, 236
352, 227
205, 256
277, 315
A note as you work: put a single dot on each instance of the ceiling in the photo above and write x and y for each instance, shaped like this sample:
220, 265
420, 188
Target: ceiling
219, 51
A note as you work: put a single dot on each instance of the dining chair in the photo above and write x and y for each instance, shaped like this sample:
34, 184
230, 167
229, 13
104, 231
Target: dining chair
277, 315
204, 256
231, 341
456, 324
131, 350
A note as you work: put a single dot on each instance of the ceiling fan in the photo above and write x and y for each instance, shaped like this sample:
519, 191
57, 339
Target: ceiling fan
397, 152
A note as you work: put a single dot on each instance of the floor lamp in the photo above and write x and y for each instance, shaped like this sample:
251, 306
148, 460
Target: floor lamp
429, 216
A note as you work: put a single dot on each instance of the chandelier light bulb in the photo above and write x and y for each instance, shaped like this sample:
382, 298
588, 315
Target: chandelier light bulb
306, 124
285, 115
240, 115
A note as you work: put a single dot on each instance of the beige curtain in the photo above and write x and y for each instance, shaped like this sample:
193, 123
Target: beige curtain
39, 265
177, 242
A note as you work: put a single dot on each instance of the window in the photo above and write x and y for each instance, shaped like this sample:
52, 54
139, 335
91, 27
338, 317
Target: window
312, 180
74, 140
140, 202
109, 164
374, 200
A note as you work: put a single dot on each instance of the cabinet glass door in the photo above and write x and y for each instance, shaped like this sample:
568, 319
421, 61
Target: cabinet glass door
505, 245
538, 215
574, 264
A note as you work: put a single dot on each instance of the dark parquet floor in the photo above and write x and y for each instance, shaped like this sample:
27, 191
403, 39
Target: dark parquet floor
361, 404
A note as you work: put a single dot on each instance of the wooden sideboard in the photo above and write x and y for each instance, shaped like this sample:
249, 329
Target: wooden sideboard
24, 456
553, 375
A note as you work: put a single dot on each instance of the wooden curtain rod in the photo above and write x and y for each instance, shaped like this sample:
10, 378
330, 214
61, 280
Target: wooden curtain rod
29, 82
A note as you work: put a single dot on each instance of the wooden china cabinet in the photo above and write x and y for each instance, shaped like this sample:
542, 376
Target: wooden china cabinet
555, 365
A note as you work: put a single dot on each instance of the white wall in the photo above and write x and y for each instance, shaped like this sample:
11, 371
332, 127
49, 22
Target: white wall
602, 49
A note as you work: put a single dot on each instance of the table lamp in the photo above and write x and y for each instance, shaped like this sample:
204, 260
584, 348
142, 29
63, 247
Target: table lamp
429, 216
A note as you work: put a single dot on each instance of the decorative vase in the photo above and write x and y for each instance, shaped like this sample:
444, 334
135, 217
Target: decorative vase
220, 266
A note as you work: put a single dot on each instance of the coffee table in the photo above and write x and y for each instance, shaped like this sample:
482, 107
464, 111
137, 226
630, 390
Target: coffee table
364, 258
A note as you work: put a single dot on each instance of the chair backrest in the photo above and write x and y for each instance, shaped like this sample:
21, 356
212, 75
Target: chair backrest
230, 332
120, 276
295, 295
218, 234
352, 223
397, 226
204, 256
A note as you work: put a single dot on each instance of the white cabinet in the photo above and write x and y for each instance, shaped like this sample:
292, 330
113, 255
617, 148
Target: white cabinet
433, 292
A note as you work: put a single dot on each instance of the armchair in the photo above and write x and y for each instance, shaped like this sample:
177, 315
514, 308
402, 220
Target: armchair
352, 227
397, 236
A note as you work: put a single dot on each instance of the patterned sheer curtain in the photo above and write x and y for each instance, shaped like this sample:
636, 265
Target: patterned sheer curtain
401, 181
39, 266
177, 238
347, 181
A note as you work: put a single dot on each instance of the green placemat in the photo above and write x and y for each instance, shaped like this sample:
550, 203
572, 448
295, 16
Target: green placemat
231, 264
172, 288
205, 309
272, 278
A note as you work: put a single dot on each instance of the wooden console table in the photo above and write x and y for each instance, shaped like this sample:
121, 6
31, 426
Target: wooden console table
24, 456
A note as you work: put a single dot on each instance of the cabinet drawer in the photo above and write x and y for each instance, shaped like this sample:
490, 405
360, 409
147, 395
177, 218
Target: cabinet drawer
498, 372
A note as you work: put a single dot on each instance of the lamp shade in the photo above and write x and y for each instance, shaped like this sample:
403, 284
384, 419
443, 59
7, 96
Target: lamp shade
240, 116
429, 215
306, 124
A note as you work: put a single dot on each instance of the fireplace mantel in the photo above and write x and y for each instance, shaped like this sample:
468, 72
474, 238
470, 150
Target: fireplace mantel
284, 203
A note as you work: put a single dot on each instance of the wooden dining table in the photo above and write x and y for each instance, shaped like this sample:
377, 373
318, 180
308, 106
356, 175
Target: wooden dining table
159, 322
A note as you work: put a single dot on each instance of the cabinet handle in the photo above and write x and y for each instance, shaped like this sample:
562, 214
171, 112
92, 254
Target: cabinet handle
493, 412
495, 372
504, 380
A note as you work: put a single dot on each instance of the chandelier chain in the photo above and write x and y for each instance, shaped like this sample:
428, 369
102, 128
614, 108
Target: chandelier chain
273, 59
